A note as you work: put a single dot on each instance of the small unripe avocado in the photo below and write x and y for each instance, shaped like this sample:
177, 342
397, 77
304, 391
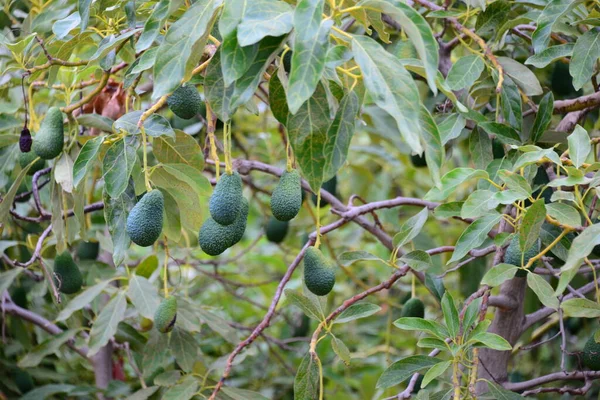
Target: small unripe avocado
413, 308
287, 196
185, 102
591, 354
87, 250
215, 238
48, 142
166, 315
331, 187
418, 160
513, 254
27, 158
67, 278
276, 230
226, 200
319, 272
145, 221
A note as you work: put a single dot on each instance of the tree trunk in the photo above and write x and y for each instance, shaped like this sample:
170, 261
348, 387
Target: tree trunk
103, 367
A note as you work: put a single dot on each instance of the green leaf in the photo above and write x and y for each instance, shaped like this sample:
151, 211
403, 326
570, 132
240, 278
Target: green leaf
305, 304
549, 55
277, 98
451, 127
500, 393
542, 290
83, 6
434, 149
117, 166
184, 390
474, 236
50, 346
143, 394
341, 350
219, 325
450, 314
489, 21
85, 159
435, 371
311, 42
582, 246
522, 76
435, 285
499, 274
585, 56
516, 183
553, 11
105, 325
349, 257
241, 394
480, 147
491, 341
63, 172
391, 87
579, 145
411, 228
264, 18
184, 348
183, 149
543, 117
306, 383
116, 211
403, 369
155, 126
504, 133
7, 278
172, 218
81, 300
217, 94
529, 231
161, 11
511, 103
564, 213
182, 47
47, 391
477, 204
356, 311
156, 354
236, 59
452, 180
307, 130
95, 121
581, 308
417, 260
108, 43
9, 197
143, 295
464, 72
420, 324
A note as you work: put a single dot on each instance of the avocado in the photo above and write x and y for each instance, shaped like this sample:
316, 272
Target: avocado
146, 324
23, 380
276, 230
591, 354
27, 158
87, 250
67, 278
413, 308
185, 102
513, 254
319, 272
226, 200
48, 142
418, 160
287, 196
145, 221
166, 315
215, 238
329, 186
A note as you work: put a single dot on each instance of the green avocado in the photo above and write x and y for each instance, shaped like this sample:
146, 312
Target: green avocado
226, 200
418, 160
145, 221
413, 308
48, 142
276, 230
287, 196
87, 250
27, 158
319, 272
331, 187
215, 238
166, 315
67, 278
185, 102
513, 254
591, 354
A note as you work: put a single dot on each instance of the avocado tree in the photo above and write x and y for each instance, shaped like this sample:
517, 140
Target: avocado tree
300, 199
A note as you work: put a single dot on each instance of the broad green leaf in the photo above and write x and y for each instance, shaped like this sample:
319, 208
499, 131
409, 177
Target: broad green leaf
116, 211
564, 213
543, 117
581, 308
553, 11
9, 197
277, 98
192, 176
117, 166
306, 383
95, 121
450, 314
480, 147
143, 295
500, 393
512, 106
391, 87
434, 149
183, 149
452, 180
161, 11
474, 236
311, 42
242, 394
417, 260
435, 285
411, 228
236, 59
219, 325
549, 55
349, 257
579, 145
184, 348
490, 20
448, 210
340, 348
356, 311
522, 76
184, 390
156, 354
582, 246
143, 394
7, 278
420, 324
491, 341
504, 133
83, 6
476, 204
305, 304
451, 127
85, 159
105, 325
182, 47
529, 231
50, 346
110, 42
464, 72
47, 391
81, 300
435, 371
542, 290
403, 369
155, 126
533, 157
147, 266
172, 218
499, 274
515, 182
263, 18
585, 57
62, 27
63, 172
217, 94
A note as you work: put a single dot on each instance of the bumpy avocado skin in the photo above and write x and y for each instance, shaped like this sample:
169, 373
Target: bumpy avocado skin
27, 158
276, 230
591, 354
287, 196
185, 102
68, 278
226, 200
145, 221
513, 254
48, 142
215, 238
331, 187
413, 308
87, 250
166, 315
319, 272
